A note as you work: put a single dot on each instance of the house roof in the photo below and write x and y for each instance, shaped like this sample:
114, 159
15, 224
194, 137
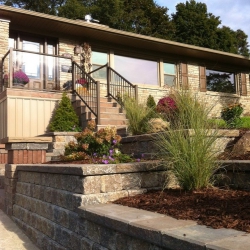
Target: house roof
35, 22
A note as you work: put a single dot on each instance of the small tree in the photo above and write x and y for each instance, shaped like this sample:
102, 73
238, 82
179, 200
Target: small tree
65, 118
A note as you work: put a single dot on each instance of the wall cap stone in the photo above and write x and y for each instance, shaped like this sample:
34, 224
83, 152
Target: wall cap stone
40, 139
164, 231
92, 169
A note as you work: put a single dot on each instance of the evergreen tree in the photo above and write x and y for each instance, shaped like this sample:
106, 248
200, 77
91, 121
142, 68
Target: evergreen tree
65, 118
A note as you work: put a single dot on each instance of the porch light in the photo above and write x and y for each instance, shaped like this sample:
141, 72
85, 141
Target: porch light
77, 50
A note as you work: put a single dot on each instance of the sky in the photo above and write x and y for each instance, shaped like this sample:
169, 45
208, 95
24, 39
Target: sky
233, 13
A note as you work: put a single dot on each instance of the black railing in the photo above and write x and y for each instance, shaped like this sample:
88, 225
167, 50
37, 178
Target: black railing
87, 89
117, 86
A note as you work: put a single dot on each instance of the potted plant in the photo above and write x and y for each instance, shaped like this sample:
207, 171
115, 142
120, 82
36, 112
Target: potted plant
20, 78
82, 86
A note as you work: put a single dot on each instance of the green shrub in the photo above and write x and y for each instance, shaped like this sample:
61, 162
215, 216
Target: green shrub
188, 145
151, 102
231, 115
65, 117
138, 116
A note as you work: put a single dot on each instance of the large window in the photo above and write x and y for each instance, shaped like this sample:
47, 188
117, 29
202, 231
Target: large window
99, 59
137, 70
220, 81
31, 64
169, 74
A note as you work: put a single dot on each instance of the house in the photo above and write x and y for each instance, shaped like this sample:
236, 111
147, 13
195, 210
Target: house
46, 48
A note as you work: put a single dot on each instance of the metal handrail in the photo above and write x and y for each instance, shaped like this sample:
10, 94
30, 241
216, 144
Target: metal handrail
88, 90
118, 87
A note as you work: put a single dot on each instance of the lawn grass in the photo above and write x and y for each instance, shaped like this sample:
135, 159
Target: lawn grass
220, 123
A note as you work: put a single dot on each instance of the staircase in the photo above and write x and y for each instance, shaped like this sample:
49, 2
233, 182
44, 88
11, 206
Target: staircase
111, 114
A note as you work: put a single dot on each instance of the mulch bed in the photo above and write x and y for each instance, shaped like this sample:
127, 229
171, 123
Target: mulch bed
216, 208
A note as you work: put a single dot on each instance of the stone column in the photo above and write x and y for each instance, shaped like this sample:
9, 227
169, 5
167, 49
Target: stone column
4, 45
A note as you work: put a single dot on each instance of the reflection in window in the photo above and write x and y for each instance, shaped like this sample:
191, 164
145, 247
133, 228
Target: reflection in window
137, 70
31, 62
99, 59
169, 74
50, 63
220, 81
11, 43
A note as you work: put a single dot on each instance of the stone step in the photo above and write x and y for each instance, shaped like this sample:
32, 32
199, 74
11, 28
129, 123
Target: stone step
107, 122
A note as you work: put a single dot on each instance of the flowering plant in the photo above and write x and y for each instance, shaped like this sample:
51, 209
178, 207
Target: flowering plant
82, 81
20, 77
166, 105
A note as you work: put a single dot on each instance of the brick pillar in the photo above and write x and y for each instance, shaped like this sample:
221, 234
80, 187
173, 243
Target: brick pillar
3, 154
22, 153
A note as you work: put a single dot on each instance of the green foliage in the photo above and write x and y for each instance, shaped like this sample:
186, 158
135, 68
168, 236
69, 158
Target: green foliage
99, 142
65, 117
43, 6
231, 115
99, 147
191, 23
138, 116
151, 102
72, 9
190, 153
245, 122
194, 25
152, 106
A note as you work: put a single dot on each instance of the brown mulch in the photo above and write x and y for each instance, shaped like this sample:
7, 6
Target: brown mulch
216, 208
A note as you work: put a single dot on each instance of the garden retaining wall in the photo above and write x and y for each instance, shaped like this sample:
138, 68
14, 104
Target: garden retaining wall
61, 207
44, 199
145, 144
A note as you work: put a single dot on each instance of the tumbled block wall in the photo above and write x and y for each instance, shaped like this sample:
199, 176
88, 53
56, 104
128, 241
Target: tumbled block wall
46, 198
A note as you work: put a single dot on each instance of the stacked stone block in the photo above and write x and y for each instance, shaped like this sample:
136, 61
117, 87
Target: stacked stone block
47, 198
57, 146
10, 181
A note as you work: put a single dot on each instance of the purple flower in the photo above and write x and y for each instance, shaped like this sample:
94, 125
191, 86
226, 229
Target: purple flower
95, 154
111, 151
110, 158
114, 142
20, 77
138, 159
105, 161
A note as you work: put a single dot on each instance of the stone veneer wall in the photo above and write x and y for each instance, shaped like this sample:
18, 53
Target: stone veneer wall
43, 199
4, 38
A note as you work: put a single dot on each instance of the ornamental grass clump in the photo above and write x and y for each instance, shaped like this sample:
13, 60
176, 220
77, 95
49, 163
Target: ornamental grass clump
231, 115
188, 145
138, 115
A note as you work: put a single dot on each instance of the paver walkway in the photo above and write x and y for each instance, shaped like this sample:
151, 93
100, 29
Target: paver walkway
11, 236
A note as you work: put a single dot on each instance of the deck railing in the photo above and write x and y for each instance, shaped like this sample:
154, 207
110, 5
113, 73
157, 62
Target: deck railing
44, 71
